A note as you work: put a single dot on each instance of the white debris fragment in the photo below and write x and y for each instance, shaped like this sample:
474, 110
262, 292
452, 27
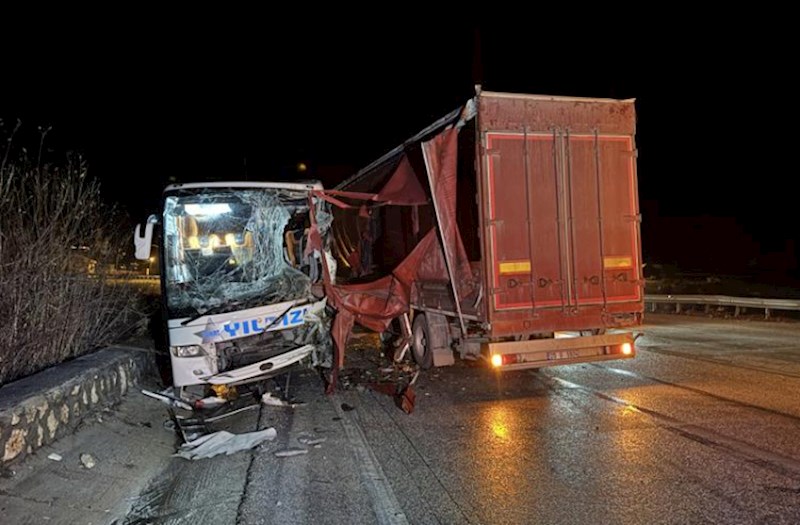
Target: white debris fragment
290, 452
55, 457
87, 460
223, 442
270, 400
305, 440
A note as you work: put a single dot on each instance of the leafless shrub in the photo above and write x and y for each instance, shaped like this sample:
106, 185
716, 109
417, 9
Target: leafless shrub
58, 298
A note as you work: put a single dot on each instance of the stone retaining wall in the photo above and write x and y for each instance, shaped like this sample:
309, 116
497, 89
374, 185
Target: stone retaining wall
41, 408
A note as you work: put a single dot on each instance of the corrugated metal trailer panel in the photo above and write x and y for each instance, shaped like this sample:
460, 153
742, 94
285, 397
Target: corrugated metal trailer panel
560, 213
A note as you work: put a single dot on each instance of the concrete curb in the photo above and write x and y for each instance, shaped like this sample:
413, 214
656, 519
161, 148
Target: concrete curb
39, 409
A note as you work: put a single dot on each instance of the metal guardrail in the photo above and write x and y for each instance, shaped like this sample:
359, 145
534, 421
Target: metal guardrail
738, 303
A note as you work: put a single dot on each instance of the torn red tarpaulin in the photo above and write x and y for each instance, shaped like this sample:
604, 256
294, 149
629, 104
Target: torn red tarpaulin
403, 188
376, 303
442, 165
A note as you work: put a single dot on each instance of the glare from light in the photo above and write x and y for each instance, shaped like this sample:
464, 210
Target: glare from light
630, 409
627, 348
208, 209
497, 360
500, 430
501, 423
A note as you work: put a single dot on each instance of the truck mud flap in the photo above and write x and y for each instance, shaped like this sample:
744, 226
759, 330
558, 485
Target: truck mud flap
439, 332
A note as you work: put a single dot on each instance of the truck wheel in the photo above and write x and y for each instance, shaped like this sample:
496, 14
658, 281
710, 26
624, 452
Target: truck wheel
420, 342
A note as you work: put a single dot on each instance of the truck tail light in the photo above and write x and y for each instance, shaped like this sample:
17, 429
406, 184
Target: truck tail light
499, 360
627, 348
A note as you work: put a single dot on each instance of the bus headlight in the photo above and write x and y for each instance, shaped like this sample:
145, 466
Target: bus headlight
187, 351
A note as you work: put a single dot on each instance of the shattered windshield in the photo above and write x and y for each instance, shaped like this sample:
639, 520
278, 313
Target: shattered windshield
228, 249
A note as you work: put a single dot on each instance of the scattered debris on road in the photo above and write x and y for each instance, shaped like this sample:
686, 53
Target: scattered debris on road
88, 461
223, 442
270, 400
288, 452
311, 441
396, 380
55, 457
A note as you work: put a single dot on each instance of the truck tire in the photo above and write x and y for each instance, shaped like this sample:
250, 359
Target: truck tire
420, 342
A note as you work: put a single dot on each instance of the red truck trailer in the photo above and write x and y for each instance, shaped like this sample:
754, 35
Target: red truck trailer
508, 230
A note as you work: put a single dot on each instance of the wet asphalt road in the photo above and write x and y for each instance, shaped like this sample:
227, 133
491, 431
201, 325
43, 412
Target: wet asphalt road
703, 426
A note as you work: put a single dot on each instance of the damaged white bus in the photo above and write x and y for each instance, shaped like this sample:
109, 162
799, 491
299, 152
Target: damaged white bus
241, 288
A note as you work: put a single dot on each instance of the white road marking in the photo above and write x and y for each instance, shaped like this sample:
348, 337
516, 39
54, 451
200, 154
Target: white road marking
384, 502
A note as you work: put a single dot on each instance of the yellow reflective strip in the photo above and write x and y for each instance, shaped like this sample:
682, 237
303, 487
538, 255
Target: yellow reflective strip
617, 261
515, 267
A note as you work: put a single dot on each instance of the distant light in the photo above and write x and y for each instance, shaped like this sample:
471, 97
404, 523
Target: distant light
152, 259
301, 167
627, 348
497, 360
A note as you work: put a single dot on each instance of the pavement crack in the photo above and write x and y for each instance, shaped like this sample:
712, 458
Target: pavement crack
248, 476
48, 502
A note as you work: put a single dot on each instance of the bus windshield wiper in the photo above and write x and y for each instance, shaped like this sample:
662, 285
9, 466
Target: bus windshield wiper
220, 309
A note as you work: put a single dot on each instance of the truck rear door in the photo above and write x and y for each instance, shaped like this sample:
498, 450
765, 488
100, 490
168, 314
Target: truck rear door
562, 219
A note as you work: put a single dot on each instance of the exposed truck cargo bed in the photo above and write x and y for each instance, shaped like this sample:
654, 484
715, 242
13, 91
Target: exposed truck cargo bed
535, 207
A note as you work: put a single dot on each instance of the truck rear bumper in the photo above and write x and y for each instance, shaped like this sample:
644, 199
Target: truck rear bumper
521, 355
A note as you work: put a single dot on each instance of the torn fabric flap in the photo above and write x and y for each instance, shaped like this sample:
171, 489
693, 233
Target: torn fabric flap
223, 442
439, 255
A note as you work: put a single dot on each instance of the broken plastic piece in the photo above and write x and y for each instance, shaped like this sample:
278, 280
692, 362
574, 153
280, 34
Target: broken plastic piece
305, 440
404, 396
55, 457
269, 399
168, 399
87, 460
290, 452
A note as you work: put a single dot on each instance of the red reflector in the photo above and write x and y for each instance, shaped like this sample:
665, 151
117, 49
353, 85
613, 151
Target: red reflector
510, 359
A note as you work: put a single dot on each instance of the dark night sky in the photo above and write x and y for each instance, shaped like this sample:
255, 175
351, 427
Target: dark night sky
160, 98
